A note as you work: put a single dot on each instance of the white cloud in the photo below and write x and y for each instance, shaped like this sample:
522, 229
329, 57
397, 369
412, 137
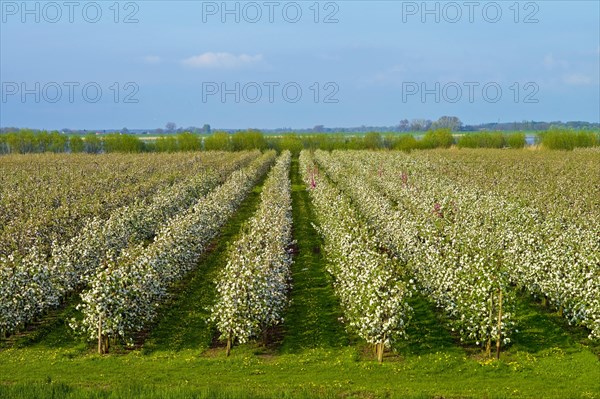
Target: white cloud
550, 62
577, 79
221, 60
152, 59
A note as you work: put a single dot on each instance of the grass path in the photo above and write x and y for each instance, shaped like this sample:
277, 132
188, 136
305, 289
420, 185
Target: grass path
183, 324
312, 318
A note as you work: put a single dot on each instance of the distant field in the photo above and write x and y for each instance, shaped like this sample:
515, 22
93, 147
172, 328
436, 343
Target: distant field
445, 273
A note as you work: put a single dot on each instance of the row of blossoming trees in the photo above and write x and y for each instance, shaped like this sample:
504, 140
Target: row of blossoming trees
252, 287
123, 295
39, 276
368, 283
392, 224
470, 249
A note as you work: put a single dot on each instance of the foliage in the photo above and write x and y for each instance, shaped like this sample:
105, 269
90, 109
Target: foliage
248, 140
557, 139
122, 143
439, 135
540, 210
463, 237
405, 143
124, 294
438, 138
253, 285
371, 293
181, 142
33, 281
447, 255
289, 142
515, 140
218, 141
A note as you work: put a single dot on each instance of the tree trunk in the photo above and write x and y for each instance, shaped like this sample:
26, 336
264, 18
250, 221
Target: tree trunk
228, 349
561, 311
544, 301
499, 339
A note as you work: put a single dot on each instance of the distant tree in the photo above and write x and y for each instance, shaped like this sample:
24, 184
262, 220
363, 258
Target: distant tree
166, 144
291, 142
4, 149
124, 131
516, 140
404, 125
188, 142
447, 122
372, 140
248, 140
170, 127
217, 141
437, 138
419, 125
57, 142
206, 128
41, 142
92, 144
76, 144
406, 142
122, 143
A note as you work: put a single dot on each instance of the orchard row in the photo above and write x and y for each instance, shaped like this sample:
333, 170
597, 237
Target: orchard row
467, 229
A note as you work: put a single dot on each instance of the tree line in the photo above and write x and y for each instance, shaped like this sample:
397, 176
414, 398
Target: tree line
27, 141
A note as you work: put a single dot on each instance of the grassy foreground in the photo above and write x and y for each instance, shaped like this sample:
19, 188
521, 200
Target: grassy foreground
551, 373
312, 357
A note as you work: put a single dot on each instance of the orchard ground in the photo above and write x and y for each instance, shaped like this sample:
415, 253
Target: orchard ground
311, 355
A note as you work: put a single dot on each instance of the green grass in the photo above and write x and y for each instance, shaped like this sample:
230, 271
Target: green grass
312, 318
553, 373
51, 331
314, 358
427, 332
183, 323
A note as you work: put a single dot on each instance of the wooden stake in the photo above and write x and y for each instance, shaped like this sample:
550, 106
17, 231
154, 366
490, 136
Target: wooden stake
488, 344
380, 350
380, 353
100, 335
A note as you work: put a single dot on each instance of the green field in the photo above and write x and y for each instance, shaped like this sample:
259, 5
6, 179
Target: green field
312, 353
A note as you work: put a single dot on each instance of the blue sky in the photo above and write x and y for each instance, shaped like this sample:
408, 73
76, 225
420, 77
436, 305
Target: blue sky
142, 64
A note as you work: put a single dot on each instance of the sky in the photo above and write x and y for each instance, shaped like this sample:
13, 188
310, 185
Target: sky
284, 64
